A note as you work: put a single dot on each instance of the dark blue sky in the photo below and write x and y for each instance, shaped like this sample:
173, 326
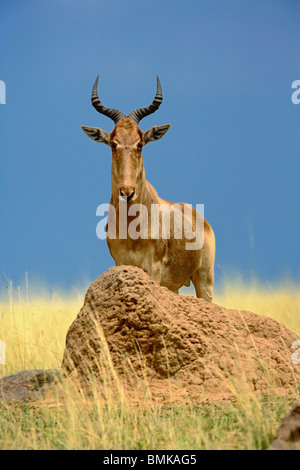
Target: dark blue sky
226, 70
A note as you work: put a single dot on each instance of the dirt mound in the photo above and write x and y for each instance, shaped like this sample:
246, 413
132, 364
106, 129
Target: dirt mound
178, 348
288, 434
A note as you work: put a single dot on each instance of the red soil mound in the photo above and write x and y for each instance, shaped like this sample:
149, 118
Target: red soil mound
175, 347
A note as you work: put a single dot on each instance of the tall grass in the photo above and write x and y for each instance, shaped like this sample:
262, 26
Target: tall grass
34, 327
280, 302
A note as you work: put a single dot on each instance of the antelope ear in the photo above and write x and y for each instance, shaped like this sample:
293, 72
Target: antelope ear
96, 134
156, 133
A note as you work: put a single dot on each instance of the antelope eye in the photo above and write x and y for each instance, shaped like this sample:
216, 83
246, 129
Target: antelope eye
139, 146
113, 145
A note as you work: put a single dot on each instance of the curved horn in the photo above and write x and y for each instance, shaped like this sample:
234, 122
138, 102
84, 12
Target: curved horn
114, 114
140, 113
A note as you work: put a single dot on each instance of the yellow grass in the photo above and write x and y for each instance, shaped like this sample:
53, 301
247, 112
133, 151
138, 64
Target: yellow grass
280, 302
34, 328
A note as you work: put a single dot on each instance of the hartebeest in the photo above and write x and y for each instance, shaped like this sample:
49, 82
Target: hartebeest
166, 260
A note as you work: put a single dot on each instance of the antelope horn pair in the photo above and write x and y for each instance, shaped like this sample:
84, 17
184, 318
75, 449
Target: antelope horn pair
135, 115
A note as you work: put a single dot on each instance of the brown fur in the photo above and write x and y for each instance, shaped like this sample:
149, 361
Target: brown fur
166, 261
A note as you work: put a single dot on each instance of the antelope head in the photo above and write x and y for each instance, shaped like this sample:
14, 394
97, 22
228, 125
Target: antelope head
126, 142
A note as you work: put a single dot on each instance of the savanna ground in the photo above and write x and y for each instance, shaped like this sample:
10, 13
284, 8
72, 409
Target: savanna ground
34, 327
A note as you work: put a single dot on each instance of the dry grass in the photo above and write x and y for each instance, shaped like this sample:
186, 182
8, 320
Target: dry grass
34, 329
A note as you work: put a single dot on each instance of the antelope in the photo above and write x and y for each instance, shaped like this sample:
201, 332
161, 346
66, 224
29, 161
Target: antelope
167, 261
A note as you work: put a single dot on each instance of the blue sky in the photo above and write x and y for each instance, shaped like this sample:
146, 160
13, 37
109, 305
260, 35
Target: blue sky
226, 69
